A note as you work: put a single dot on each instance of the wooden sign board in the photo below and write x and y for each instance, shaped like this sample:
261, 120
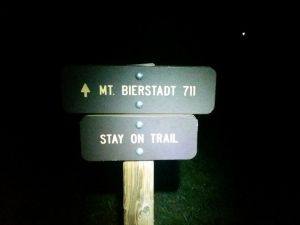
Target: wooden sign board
139, 89
138, 137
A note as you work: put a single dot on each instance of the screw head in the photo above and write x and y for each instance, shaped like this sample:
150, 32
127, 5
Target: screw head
139, 124
139, 104
139, 151
139, 76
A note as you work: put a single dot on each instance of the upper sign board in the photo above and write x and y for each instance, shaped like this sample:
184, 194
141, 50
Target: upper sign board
139, 89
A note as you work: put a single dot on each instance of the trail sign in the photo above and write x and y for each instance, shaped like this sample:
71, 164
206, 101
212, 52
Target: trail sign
137, 137
139, 89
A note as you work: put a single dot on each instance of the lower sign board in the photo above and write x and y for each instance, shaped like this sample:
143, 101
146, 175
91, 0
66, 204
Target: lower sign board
136, 137
139, 89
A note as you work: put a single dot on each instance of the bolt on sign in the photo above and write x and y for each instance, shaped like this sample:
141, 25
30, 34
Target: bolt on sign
138, 137
139, 89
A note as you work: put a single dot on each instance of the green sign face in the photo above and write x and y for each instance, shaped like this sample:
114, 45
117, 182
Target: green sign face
137, 137
139, 89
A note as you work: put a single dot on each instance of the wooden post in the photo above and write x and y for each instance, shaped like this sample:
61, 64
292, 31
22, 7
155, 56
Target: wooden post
138, 200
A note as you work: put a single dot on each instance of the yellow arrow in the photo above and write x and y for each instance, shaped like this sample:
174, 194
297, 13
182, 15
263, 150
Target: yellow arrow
85, 90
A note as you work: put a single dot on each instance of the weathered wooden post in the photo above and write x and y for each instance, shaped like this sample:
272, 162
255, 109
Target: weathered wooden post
138, 192
142, 114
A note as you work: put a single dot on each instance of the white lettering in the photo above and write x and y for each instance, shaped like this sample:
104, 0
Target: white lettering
166, 138
148, 90
160, 91
102, 139
133, 90
105, 89
120, 136
124, 90
167, 90
158, 138
154, 90
189, 90
141, 90
137, 138
111, 139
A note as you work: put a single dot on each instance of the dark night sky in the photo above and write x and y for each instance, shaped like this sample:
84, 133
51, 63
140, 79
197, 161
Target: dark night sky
251, 112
